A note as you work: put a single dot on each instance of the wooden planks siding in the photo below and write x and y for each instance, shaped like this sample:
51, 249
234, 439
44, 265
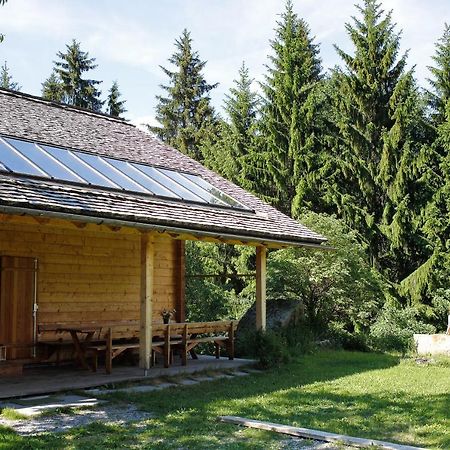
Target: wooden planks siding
89, 273
16, 305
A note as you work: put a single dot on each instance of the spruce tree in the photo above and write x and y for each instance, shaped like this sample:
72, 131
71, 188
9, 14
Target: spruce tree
185, 113
231, 151
440, 81
52, 88
434, 170
381, 128
6, 79
78, 91
289, 114
115, 106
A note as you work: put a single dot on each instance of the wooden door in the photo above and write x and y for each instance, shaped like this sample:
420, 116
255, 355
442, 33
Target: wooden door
17, 286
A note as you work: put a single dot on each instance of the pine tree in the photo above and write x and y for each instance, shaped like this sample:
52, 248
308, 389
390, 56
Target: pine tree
6, 79
232, 150
435, 172
70, 68
185, 114
115, 106
440, 83
290, 110
381, 128
52, 88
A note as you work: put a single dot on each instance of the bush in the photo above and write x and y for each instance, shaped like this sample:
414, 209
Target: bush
342, 338
338, 286
394, 328
441, 308
299, 338
270, 347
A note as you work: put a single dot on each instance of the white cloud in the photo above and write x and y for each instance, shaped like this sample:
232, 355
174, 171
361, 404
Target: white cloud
142, 122
131, 39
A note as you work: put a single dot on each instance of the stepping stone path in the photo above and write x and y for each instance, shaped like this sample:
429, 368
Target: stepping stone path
87, 409
33, 406
157, 386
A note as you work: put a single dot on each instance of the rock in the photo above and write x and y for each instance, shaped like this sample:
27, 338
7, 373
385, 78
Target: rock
280, 313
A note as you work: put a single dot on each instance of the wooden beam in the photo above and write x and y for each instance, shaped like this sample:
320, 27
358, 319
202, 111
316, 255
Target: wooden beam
318, 435
80, 224
113, 228
41, 220
180, 281
261, 256
147, 283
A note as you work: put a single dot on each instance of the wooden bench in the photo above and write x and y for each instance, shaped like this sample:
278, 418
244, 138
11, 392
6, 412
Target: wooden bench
111, 350
186, 336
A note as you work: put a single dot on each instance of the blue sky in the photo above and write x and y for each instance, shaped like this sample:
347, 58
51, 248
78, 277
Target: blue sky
130, 39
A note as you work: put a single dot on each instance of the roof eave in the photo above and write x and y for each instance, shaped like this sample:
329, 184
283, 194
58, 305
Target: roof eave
265, 240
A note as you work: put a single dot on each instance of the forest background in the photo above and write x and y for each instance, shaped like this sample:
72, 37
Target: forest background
359, 153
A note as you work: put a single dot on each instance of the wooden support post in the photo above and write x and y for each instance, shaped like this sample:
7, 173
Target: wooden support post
180, 281
261, 255
147, 273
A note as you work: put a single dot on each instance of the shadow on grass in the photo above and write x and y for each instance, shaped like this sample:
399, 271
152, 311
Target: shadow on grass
186, 417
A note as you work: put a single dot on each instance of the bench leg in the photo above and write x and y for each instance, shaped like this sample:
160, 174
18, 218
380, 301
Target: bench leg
217, 350
167, 354
230, 349
108, 355
94, 361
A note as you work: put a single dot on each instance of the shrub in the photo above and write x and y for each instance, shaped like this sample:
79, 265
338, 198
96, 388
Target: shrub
299, 338
441, 307
394, 328
338, 286
270, 347
342, 338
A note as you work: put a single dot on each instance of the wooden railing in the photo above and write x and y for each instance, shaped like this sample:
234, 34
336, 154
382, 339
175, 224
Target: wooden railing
166, 338
186, 336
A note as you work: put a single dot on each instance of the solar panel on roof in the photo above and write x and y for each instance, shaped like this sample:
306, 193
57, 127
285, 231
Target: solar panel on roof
32, 158
16, 162
42, 159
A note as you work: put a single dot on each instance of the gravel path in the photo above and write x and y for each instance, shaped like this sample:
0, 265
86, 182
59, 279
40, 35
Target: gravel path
61, 421
306, 444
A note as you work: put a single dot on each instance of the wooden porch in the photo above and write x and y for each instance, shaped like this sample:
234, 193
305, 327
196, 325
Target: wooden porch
57, 276
46, 380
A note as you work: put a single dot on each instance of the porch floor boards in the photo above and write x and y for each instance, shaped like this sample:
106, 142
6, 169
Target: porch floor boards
46, 380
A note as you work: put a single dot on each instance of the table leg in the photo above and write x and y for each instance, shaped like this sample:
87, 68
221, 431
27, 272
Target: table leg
108, 356
80, 353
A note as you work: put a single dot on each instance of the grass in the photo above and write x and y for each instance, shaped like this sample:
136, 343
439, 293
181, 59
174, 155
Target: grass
360, 394
12, 414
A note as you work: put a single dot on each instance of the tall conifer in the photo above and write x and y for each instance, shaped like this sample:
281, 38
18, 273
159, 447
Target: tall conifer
52, 88
435, 172
6, 79
185, 113
380, 125
114, 106
231, 152
289, 114
70, 68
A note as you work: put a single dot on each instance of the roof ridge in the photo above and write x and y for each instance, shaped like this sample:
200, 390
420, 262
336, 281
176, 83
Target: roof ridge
52, 103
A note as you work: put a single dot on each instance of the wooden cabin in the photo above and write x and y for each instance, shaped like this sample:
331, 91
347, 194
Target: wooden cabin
94, 214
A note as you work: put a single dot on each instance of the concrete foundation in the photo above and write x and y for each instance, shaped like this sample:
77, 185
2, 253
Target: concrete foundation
432, 344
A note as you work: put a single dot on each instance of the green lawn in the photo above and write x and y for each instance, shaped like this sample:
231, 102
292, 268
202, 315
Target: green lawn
360, 394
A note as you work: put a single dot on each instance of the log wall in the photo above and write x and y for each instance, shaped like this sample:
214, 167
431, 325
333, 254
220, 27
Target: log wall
90, 272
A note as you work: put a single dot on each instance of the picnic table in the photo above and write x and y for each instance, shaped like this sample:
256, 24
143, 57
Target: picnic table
89, 339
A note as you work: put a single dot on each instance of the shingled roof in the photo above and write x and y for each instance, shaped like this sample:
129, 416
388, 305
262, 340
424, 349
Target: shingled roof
32, 118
